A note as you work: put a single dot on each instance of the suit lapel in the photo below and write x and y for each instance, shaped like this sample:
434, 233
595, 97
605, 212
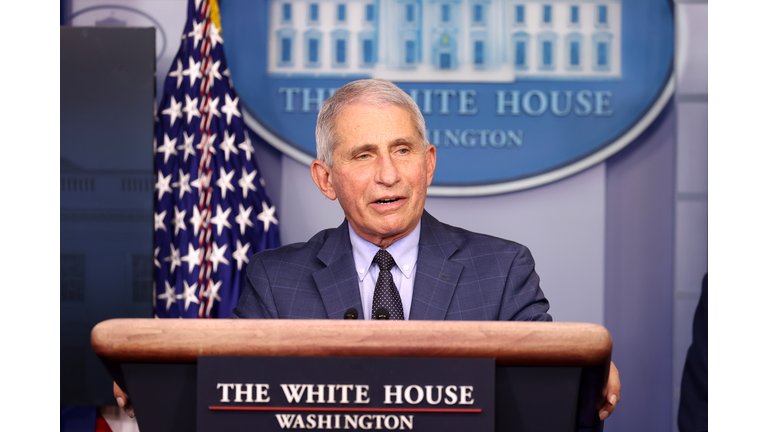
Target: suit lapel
436, 275
337, 282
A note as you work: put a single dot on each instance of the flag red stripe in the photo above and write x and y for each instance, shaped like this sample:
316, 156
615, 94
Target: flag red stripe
101, 423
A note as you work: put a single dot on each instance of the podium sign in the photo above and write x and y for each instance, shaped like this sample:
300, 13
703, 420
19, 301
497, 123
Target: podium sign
349, 393
545, 376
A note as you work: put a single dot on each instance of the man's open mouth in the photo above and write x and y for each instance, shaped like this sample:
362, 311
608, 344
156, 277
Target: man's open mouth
387, 200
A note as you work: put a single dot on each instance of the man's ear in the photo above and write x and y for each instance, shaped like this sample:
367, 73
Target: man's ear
431, 162
321, 175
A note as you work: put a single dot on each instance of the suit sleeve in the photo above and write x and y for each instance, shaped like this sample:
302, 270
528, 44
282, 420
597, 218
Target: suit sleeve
692, 415
523, 299
256, 300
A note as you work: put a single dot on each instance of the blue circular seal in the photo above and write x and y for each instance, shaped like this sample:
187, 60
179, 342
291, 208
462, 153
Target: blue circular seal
514, 94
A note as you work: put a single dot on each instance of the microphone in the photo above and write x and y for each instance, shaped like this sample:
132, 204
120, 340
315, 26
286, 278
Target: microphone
381, 314
351, 313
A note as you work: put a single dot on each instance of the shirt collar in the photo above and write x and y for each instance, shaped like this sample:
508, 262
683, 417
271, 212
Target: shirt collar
405, 252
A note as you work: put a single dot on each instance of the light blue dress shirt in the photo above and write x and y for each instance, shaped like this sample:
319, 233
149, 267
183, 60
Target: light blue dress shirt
405, 252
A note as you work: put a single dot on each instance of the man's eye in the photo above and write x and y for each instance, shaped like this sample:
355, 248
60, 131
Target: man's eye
364, 156
402, 151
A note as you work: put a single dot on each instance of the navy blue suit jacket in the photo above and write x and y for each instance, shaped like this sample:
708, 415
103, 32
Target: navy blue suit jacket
693, 415
460, 275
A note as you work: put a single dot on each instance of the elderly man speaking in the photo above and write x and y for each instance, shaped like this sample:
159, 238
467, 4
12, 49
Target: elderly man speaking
390, 258
373, 156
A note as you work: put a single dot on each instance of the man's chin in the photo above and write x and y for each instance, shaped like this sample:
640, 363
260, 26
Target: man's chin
395, 232
384, 234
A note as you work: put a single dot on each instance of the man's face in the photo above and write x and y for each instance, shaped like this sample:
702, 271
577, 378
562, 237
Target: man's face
380, 172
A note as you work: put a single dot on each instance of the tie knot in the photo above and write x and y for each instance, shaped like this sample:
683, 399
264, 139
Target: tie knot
384, 260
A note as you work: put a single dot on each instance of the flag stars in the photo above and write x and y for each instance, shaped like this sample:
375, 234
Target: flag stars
197, 32
169, 295
163, 185
213, 74
190, 108
228, 145
246, 182
177, 73
189, 295
267, 216
246, 146
215, 37
213, 294
213, 108
183, 184
201, 183
193, 256
193, 71
196, 220
197, 184
217, 256
168, 148
206, 144
178, 221
201, 108
174, 258
225, 181
160, 221
244, 218
221, 219
188, 146
230, 108
241, 254
173, 110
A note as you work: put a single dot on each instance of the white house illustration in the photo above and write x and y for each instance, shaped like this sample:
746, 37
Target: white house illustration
445, 40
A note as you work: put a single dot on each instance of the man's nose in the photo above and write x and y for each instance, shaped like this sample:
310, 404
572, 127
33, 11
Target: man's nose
387, 172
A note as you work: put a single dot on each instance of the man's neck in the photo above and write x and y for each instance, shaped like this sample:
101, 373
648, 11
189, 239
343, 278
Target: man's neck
360, 242
384, 242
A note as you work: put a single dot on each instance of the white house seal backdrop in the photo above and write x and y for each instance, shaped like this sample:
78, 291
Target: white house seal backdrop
515, 94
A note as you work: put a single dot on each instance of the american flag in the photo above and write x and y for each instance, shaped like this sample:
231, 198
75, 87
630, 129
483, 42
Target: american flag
211, 210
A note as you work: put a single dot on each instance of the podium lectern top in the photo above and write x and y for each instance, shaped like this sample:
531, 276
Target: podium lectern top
510, 343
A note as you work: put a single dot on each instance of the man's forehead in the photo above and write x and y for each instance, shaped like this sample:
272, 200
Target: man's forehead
374, 113
374, 106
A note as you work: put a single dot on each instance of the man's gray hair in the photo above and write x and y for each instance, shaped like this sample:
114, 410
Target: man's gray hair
374, 92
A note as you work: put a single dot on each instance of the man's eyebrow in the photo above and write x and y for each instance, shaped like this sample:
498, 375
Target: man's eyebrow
403, 140
372, 147
363, 148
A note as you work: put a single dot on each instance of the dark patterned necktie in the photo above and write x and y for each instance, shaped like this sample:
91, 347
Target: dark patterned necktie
386, 294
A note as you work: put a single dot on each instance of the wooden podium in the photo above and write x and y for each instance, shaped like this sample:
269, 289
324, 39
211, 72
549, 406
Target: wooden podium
549, 376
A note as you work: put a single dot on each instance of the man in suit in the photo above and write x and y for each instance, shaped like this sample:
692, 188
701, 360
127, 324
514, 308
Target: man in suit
389, 254
374, 157
459, 275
